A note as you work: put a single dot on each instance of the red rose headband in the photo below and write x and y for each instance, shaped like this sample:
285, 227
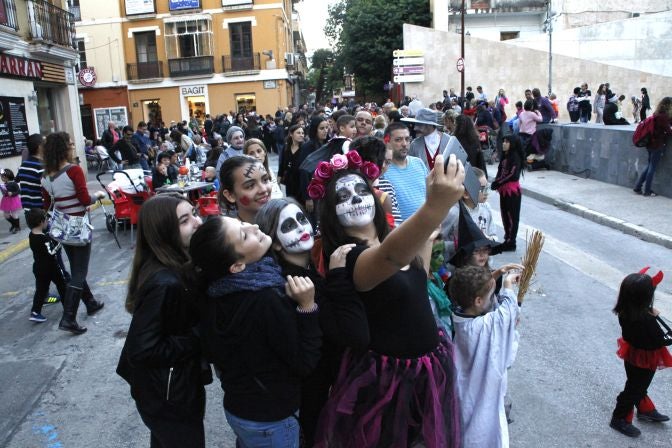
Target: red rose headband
325, 171
655, 279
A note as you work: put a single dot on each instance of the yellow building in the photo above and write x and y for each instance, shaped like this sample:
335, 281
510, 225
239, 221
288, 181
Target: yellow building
186, 58
37, 78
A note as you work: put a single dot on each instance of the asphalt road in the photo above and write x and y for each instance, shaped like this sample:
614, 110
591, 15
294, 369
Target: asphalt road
61, 391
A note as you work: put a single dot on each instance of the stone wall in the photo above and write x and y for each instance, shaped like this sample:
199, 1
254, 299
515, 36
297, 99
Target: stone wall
496, 65
606, 153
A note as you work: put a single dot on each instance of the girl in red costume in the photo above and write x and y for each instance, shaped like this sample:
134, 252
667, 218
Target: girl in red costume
642, 348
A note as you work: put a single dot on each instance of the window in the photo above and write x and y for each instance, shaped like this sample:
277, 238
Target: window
145, 46
189, 38
241, 39
508, 35
81, 49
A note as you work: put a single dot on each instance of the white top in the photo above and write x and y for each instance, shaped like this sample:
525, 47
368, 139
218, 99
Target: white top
485, 347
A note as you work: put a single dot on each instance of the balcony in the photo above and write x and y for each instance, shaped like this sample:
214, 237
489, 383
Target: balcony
194, 66
8, 19
51, 24
144, 71
232, 64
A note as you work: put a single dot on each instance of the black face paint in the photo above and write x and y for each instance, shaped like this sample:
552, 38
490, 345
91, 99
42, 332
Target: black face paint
249, 171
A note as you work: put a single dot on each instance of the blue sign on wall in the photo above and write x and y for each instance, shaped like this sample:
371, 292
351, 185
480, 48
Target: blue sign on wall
174, 5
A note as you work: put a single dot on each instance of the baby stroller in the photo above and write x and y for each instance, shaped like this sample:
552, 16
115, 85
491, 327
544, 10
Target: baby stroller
128, 190
488, 138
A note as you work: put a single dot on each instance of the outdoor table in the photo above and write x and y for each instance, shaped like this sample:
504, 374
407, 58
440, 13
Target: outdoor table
191, 188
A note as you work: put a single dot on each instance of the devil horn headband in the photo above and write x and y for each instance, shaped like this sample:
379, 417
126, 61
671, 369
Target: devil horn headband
656, 279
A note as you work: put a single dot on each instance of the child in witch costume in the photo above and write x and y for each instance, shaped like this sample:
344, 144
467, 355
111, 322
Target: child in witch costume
506, 184
642, 348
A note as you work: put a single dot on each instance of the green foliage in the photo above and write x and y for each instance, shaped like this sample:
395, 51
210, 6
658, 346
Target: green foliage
325, 75
364, 34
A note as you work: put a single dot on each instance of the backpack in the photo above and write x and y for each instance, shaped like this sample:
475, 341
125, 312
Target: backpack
642, 135
573, 104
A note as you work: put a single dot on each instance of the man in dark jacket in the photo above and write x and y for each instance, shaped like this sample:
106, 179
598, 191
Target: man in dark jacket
143, 143
129, 152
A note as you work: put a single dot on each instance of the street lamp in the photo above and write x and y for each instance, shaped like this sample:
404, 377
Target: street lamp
549, 28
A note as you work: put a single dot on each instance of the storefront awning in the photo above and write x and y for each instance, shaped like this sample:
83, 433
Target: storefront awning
187, 17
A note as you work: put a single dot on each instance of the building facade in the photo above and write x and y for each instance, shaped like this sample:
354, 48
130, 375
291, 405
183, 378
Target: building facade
38, 93
186, 58
101, 74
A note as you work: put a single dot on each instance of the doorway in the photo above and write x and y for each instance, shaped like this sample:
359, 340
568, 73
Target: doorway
246, 102
87, 122
196, 106
151, 113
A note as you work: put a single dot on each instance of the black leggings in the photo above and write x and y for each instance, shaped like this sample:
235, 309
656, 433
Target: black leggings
510, 210
636, 385
42, 282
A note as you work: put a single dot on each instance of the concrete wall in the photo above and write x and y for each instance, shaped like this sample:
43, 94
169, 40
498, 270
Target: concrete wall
606, 153
640, 43
496, 65
576, 13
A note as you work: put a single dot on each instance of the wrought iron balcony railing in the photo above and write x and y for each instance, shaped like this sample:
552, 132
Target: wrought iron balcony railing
8, 19
197, 65
50, 23
144, 70
241, 63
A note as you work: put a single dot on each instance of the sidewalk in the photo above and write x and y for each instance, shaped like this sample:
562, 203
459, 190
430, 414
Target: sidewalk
647, 218
610, 205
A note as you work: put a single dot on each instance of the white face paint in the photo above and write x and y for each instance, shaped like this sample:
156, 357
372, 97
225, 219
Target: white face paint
354, 202
294, 230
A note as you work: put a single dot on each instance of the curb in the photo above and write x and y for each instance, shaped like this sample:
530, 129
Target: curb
22, 245
605, 220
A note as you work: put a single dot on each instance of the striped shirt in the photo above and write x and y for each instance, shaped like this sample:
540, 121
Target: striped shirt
69, 189
409, 184
29, 178
386, 186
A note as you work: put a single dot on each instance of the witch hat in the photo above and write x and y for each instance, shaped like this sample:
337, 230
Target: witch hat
469, 238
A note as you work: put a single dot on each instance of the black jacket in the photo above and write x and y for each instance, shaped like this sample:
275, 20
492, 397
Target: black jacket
262, 347
161, 356
128, 151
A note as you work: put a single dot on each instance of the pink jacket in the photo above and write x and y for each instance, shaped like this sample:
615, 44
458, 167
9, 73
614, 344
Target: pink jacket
528, 121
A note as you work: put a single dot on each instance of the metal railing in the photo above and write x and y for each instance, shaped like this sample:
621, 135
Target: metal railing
76, 12
9, 18
51, 23
197, 65
241, 63
144, 70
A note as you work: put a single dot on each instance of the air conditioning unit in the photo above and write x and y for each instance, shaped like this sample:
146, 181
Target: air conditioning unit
290, 58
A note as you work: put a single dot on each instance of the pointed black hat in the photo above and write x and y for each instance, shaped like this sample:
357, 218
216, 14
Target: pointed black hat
469, 238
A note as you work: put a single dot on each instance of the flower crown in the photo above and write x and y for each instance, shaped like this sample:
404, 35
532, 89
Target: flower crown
325, 171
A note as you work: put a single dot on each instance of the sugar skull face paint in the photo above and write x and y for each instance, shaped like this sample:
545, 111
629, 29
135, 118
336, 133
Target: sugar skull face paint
354, 201
295, 232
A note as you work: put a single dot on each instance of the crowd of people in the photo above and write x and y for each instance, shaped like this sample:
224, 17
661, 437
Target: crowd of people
347, 300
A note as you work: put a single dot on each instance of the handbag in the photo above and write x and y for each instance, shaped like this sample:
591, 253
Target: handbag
68, 229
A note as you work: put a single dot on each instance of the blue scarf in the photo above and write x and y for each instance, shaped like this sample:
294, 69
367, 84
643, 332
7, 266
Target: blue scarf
262, 274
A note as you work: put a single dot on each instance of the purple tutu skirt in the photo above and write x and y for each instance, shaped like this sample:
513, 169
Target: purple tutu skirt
383, 401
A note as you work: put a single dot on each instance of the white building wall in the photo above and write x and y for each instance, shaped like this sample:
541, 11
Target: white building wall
640, 43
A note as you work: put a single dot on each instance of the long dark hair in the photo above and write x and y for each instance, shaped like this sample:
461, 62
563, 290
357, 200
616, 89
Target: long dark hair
635, 297
664, 107
56, 150
465, 133
333, 233
212, 254
268, 220
312, 130
515, 147
289, 141
158, 244
226, 179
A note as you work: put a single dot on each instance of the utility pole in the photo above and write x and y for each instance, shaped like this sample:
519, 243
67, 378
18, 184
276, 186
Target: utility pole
462, 56
549, 28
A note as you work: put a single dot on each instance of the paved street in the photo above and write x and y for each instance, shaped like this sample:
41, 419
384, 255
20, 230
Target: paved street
61, 391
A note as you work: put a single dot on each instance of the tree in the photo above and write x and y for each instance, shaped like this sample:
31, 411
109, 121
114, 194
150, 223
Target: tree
326, 74
366, 32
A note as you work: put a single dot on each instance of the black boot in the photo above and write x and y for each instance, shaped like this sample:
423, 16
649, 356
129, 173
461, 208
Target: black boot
92, 305
70, 304
11, 221
17, 225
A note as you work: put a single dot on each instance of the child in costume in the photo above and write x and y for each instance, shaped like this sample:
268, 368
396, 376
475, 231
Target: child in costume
642, 348
486, 343
506, 184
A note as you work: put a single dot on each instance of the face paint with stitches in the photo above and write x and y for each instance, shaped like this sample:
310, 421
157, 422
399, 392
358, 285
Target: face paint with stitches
294, 232
354, 201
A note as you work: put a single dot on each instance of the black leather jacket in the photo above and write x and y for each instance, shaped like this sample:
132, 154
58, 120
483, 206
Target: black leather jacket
161, 357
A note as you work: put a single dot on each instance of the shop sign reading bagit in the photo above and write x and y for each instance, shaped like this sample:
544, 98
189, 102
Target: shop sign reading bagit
20, 67
192, 90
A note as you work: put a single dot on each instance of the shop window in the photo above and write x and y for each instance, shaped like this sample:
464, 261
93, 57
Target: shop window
246, 102
81, 49
151, 112
189, 38
145, 46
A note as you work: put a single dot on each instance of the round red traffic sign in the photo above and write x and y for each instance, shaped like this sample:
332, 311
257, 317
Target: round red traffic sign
460, 65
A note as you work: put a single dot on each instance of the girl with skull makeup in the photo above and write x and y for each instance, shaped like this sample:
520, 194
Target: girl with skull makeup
245, 187
401, 390
292, 240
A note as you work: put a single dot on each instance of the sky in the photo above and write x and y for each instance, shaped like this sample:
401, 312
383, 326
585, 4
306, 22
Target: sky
313, 14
